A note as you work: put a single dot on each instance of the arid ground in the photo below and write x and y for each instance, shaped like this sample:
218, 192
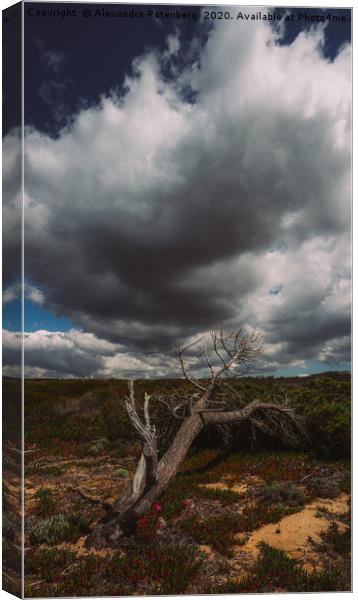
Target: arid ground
245, 516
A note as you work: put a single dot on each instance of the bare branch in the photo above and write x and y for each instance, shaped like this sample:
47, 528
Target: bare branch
148, 466
215, 345
245, 413
208, 361
191, 380
146, 410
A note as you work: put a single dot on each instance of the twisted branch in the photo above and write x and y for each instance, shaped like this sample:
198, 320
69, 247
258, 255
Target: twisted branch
148, 464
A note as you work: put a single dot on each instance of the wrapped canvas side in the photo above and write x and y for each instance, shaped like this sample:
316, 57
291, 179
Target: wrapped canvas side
12, 298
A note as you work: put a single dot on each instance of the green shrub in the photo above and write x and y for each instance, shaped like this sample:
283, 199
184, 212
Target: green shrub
45, 501
323, 487
99, 445
281, 493
56, 529
325, 402
339, 541
121, 472
224, 496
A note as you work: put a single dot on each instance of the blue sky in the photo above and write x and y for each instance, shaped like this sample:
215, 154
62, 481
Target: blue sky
35, 318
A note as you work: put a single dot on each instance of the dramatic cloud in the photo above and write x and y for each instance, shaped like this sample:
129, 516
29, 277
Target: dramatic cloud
77, 354
152, 218
11, 212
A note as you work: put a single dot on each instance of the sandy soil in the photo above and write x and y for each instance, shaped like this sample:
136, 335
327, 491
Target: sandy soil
292, 533
229, 482
240, 488
80, 549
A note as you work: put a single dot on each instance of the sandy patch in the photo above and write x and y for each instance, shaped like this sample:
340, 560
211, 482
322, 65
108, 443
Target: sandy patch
229, 482
291, 533
80, 549
239, 488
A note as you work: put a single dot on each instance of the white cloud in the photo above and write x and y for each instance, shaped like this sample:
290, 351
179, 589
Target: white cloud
152, 218
32, 293
11, 294
77, 354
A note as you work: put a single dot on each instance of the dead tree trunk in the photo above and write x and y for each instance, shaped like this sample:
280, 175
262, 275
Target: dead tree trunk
197, 410
142, 491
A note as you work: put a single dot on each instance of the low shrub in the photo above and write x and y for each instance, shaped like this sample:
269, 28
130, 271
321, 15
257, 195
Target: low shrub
121, 472
45, 501
56, 529
99, 445
338, 541
323, 487
280, 493
224, 496
48, 564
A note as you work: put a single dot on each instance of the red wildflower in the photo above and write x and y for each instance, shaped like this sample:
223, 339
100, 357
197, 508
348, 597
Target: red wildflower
157, 507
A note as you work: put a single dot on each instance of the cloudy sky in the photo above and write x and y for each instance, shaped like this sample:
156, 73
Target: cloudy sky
181, 175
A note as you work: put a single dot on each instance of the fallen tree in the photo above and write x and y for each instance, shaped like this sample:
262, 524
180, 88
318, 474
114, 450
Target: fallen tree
210, 401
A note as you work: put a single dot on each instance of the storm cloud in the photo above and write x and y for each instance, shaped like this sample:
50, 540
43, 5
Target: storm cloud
153, 218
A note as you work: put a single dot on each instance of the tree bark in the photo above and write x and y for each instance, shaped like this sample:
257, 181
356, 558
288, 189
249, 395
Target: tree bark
135, 503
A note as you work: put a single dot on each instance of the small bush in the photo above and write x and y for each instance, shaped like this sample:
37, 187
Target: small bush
56, 529
99, 445
323, 487
339, 541
224, 496
121, 472
45, 501
281, 493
